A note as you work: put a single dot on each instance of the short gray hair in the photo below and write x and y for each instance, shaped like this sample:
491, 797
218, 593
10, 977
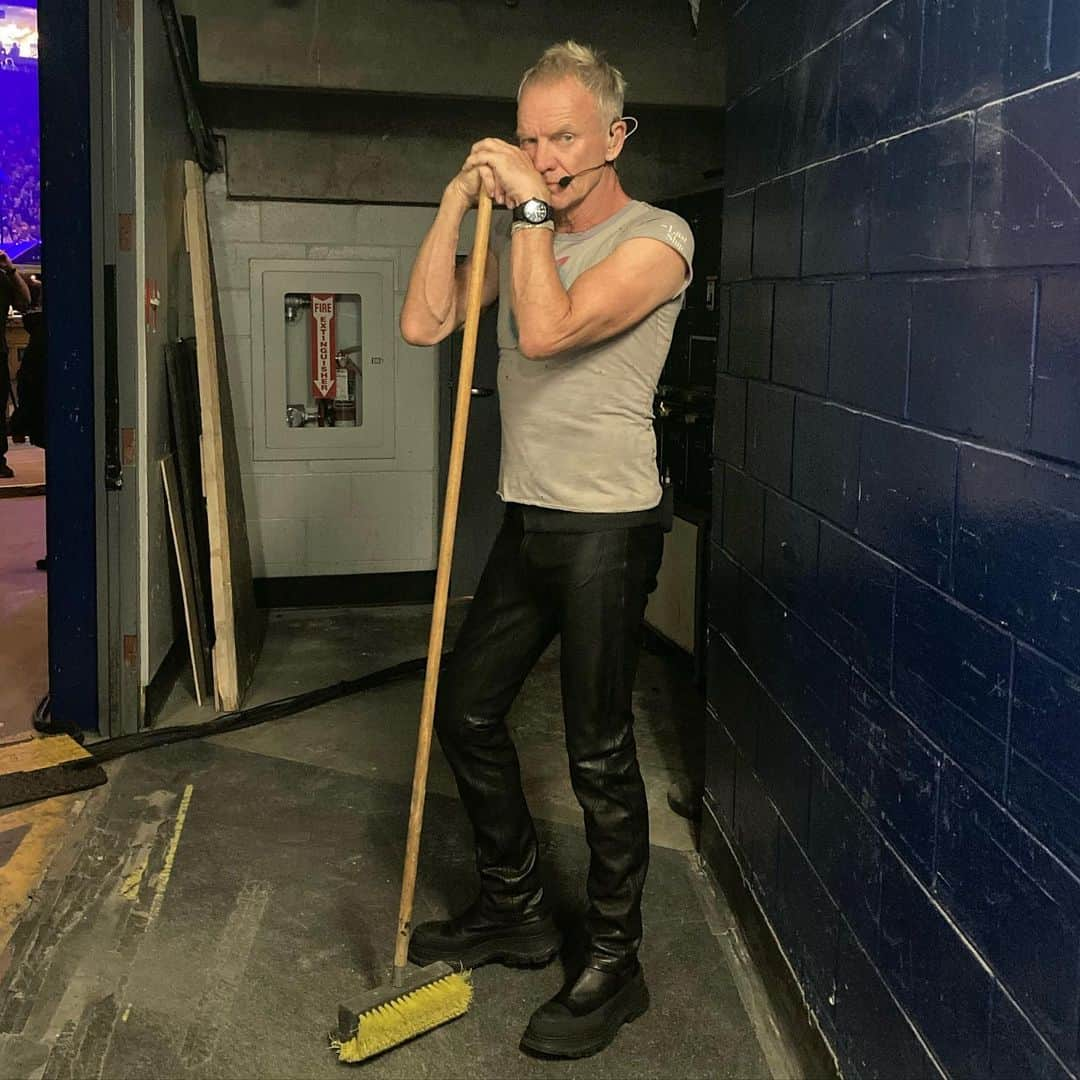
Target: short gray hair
603, 80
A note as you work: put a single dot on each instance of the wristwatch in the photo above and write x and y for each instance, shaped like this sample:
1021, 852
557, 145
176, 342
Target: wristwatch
533, 212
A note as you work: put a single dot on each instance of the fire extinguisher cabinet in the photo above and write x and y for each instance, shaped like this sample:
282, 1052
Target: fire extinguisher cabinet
323, 371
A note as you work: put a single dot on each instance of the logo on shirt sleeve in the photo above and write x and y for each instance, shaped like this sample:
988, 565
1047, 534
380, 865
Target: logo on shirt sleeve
676, 238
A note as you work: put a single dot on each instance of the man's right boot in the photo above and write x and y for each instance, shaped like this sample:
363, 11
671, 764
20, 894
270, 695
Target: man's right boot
483, 935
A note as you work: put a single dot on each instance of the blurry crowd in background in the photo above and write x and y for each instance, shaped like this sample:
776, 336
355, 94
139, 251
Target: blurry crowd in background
20, 202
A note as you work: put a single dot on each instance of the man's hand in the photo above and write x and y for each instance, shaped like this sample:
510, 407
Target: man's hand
467, 185
507, 173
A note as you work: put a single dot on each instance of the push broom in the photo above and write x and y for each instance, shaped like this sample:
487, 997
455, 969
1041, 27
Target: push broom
422, 999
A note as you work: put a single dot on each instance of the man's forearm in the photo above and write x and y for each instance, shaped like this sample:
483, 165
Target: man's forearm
429, 312
541, 304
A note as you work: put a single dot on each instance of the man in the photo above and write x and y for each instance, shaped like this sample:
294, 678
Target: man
33, 376
28, 420
589, 284
14, 293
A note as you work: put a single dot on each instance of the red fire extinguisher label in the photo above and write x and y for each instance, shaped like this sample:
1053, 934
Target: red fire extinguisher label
323, 345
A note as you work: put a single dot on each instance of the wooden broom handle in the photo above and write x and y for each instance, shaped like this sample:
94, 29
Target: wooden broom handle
474, 299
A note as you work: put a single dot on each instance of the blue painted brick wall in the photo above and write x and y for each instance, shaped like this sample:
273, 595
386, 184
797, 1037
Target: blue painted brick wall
801, 336
894, 602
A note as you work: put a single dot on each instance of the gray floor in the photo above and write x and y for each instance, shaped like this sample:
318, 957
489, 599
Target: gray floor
308, 648
222, 897
24, 656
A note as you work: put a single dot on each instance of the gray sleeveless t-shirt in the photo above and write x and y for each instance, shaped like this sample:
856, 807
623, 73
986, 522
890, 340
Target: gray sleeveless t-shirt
577, 428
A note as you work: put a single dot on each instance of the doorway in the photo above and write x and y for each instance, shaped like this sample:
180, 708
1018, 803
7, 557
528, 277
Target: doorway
82, 78
23, 581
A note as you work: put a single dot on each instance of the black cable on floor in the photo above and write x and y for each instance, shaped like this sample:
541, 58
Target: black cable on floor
257, 714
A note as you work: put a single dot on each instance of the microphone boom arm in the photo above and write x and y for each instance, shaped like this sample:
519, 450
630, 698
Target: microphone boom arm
566, 181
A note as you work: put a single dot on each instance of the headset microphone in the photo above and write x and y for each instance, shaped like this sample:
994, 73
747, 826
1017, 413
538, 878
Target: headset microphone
566, 181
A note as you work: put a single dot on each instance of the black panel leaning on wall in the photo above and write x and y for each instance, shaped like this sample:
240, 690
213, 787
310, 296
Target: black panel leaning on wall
894, 681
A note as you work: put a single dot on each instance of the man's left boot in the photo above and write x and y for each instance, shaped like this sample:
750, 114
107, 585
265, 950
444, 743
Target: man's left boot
586, 1014
684, 798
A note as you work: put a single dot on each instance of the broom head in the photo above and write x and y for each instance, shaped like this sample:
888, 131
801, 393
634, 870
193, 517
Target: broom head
389, 1016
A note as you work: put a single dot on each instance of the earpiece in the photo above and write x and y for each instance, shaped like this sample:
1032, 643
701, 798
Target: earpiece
566, 181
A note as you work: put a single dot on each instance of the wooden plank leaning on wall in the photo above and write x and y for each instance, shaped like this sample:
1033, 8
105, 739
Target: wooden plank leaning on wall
238, 625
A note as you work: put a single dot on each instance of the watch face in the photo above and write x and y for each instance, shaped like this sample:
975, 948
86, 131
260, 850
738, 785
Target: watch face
535, 211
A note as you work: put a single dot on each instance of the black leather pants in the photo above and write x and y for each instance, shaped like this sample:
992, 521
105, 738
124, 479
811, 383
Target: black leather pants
591, 589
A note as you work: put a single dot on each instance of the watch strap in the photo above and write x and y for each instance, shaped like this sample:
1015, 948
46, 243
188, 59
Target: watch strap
517, 225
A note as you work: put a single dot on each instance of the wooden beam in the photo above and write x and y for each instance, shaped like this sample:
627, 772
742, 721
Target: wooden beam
200, 670
238, 627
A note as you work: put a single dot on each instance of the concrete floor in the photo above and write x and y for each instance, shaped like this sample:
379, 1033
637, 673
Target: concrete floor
28, 464
24, 676
219, 898
308, 648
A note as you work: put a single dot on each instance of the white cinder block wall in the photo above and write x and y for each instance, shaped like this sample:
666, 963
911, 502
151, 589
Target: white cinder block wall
330, 516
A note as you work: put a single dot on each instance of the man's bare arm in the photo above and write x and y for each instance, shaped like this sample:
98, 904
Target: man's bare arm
608, 298
435, 302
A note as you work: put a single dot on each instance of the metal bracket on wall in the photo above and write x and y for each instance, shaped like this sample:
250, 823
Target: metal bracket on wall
114, 469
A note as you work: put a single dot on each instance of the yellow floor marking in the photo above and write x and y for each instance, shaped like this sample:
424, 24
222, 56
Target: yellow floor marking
39, 754
170, 855
129, 888
50, 820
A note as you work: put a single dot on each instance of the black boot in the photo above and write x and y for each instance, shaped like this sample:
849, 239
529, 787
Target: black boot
684, 798
483, 935
585, 1015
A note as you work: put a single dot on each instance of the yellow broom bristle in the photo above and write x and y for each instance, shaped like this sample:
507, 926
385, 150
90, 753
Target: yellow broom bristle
407, 1016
